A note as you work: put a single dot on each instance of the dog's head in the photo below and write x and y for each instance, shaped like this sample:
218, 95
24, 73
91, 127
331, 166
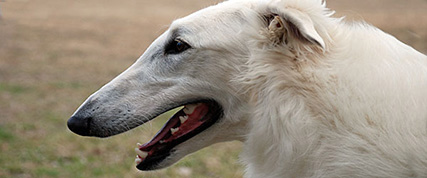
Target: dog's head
194, 65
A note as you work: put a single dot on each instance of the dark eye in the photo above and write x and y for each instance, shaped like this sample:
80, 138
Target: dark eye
176, 46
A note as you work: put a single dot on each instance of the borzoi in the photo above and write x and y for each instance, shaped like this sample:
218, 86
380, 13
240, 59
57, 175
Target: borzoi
309, 94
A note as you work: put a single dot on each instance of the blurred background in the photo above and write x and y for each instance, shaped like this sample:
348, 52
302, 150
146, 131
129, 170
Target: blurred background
54, 54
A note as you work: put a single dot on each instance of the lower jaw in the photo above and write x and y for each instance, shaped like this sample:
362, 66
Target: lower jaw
155, 152
154, 163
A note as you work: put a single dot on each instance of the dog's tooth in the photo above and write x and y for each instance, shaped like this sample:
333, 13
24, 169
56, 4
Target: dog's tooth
183, 118
188, 109
142, 154
138, 160
173, 130
161, 141
139, 145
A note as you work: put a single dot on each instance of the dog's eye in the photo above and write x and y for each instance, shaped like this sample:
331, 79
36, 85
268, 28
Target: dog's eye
176, 46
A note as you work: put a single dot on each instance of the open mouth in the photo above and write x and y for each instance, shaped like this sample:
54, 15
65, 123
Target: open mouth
185, 124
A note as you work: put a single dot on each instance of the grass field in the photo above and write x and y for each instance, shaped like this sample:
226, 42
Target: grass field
54, 54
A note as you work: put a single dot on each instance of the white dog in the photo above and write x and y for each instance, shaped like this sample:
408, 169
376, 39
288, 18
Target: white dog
309, 95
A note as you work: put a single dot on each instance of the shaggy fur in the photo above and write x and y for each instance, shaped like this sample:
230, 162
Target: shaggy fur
309, 95
357, 108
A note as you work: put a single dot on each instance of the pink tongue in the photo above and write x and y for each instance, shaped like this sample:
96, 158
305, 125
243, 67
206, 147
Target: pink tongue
193, 121
161, 134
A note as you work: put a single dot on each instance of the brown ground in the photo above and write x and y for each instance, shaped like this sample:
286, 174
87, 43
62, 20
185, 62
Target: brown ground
53, 54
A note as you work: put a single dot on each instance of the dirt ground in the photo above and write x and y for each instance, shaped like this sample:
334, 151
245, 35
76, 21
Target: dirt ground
53, 54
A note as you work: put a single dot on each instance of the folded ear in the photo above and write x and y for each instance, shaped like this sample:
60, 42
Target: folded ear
292, 25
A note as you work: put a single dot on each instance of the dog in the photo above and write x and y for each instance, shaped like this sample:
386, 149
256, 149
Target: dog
309, 95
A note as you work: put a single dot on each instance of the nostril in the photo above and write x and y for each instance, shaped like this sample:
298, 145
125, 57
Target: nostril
80, 125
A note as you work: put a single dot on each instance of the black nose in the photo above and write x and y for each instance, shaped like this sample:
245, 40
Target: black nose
79, 125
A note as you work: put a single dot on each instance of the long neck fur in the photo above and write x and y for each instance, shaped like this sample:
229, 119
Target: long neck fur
310, 115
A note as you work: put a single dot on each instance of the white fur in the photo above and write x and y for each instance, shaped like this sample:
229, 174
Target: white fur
358, 109
336, 99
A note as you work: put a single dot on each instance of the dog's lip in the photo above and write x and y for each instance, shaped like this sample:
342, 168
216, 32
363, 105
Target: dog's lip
161, 146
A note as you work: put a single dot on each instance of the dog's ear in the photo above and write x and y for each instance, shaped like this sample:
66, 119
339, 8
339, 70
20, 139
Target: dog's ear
292, 25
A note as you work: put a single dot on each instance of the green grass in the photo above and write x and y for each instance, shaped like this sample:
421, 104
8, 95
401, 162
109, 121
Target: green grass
5, 135
13, 89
